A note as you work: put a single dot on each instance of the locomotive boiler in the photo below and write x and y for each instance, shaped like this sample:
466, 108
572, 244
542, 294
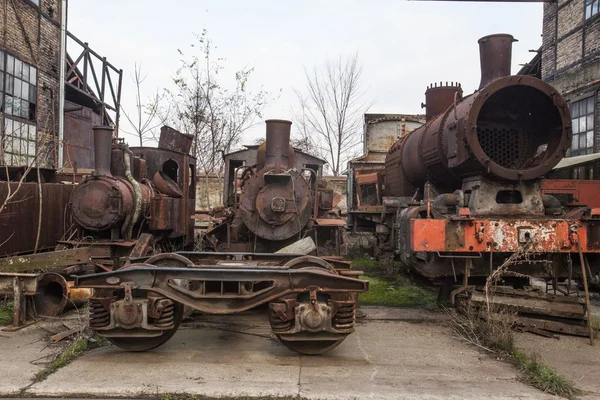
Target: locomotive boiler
138, 199
276, 204
463, 192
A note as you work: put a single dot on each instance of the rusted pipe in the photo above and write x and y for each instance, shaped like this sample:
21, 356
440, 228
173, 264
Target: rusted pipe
102, 148
137, 195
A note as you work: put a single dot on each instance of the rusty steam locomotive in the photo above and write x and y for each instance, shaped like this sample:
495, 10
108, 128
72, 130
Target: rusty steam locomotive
139, 200
463, 192
275, 204
139, 305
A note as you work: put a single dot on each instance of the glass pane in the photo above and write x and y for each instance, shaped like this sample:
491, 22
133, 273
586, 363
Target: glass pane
24, 109
31, 148
575, 109
588, 12
16, 107
26, 73
10, 83
10, 64
1, 101
32, 94
9, 126
575, 143
32, 75
17, 88
590, 139
25, 91
32, 135
582, 141
1, 61
8, 106
18, 68
595, 8
1, 81
582, 125
590, 105
590, 121
576, 125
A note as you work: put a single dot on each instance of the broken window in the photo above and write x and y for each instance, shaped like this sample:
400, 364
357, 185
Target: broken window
18, 88
171, 168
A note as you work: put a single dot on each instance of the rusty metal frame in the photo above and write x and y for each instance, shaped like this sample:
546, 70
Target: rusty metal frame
161, 280
83, 78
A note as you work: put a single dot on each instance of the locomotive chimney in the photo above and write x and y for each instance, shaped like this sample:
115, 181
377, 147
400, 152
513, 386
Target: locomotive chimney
102, 146
277, 151
495, 53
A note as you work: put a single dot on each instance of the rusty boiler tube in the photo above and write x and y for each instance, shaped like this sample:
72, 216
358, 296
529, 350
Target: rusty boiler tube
277, 146
102, 148
513, 128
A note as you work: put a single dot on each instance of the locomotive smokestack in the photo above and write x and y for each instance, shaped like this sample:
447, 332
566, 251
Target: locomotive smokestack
277, 151
102, 146
495, 53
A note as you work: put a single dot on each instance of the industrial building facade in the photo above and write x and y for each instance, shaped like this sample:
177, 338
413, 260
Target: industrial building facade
570, 61
29, 80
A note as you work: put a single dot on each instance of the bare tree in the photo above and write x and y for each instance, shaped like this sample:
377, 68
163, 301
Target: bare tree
147, 115
202, 106
331, 110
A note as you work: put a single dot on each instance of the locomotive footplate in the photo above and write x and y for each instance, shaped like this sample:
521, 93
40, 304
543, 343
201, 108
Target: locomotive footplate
311, 305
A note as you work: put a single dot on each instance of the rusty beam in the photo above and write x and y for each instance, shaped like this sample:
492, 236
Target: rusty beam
29, 283
49, 260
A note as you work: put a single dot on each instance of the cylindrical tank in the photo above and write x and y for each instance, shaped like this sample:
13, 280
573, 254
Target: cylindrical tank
514, 128
439, 98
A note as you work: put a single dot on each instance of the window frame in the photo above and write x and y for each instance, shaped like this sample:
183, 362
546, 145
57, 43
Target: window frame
591, 4
579, 118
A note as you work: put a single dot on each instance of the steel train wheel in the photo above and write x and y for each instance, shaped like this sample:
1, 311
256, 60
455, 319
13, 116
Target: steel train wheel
311, 347
149, 343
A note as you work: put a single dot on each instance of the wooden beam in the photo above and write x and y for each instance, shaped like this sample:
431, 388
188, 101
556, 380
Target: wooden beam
45, 261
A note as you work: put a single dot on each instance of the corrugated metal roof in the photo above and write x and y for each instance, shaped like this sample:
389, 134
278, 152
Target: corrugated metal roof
569, 162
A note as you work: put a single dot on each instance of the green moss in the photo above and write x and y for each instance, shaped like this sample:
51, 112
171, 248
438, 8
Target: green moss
543, 377
6, 313
397, 293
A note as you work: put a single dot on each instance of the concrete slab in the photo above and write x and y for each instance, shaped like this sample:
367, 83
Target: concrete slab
229, 356
23, 354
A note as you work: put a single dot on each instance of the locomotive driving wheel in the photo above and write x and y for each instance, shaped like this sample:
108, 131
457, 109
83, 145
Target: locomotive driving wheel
170, 316
307, 342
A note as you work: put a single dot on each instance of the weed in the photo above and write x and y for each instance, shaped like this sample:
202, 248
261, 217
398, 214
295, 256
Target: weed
6, 312
490, 328
365, 263
398, 293
67, 356
543, 377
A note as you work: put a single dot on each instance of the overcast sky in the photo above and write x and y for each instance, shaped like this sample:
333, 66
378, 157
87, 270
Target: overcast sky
402, 45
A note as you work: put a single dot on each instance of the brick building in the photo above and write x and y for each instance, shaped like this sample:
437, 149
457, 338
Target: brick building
570, 61
36, 116
29, 78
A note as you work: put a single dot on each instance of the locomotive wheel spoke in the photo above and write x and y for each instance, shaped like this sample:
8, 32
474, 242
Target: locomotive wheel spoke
149, 343
310, 347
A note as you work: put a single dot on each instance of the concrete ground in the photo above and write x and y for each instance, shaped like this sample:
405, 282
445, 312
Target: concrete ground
394, 354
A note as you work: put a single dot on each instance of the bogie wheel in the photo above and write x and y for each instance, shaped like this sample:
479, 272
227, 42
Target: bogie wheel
311, 347
149, 343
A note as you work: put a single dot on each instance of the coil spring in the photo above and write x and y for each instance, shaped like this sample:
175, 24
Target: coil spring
344, 319
99, 316
167, 317
277, 325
